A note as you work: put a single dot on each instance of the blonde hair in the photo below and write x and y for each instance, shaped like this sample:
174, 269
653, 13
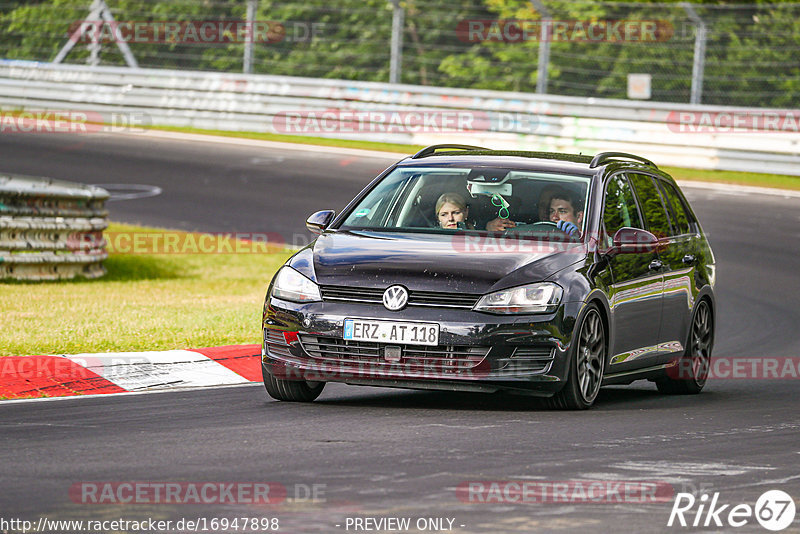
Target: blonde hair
453, 198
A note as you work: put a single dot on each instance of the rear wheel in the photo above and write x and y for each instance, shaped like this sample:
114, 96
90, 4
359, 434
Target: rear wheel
587, 363
291, 390
692, 368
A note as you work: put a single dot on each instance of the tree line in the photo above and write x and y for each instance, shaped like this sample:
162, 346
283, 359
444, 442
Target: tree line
751, 53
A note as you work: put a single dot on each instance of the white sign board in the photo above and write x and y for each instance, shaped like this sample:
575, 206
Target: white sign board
639, 86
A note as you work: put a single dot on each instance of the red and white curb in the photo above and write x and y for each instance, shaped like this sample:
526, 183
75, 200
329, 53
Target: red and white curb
123, 372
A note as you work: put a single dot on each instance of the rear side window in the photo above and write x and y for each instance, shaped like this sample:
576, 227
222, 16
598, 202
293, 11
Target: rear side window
620, 208
650, 199
679, 218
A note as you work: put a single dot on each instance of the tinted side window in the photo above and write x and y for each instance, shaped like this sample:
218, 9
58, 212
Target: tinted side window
620, 206
650, 199
680, 219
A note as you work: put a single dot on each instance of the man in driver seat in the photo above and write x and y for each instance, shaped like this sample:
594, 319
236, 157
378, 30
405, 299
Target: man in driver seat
565, 212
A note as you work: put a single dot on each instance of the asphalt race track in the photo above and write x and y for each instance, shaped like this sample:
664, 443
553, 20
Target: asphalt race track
380, 453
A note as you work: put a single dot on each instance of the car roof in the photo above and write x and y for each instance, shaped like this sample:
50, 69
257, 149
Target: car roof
560, 163
557, 162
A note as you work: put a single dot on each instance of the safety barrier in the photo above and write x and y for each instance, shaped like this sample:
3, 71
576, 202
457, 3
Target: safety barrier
51, 229
710, 137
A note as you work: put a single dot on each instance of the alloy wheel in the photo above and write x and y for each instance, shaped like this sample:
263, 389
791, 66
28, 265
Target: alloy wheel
591, 355
701, 343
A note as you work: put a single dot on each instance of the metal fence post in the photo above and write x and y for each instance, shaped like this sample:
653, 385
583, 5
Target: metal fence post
247, 61
544, 47
94, 46
699, 63
99, 10
398, 20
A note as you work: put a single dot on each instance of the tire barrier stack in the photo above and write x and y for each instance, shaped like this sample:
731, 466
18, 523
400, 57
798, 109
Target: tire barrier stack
51, 229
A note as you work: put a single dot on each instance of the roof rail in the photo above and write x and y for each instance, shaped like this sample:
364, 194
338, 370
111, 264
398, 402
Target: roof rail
428, 151
602, 157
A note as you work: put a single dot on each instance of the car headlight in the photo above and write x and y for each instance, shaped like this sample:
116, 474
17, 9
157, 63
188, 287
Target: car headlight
532, 298
293, 286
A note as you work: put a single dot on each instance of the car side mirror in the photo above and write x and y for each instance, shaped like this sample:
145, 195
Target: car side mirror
320, 220
629, 240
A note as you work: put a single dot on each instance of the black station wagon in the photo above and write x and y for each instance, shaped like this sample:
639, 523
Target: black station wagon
467, 269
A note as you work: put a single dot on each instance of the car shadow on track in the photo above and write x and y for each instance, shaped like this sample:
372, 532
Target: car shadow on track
610, 398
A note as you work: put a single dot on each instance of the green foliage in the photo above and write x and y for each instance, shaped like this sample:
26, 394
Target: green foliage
32, 32
750, 55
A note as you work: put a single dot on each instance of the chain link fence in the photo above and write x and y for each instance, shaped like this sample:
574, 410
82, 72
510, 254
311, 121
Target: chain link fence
726, 54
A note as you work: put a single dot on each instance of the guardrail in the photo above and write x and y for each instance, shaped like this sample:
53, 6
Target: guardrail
51, 229
260, 103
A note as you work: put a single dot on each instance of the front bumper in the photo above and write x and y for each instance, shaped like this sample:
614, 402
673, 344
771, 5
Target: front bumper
476, 351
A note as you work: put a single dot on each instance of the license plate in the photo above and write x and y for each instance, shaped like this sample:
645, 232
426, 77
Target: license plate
391, 332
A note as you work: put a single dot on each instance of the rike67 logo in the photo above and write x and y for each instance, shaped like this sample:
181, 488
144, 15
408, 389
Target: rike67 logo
774, 510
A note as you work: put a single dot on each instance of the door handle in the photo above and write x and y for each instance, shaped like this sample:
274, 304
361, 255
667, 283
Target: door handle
688, 259
655, 265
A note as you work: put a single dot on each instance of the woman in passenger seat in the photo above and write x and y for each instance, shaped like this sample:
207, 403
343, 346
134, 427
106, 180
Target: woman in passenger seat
452, 212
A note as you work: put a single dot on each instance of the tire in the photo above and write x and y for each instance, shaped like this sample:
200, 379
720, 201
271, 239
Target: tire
587, 363
693, 366
291, 390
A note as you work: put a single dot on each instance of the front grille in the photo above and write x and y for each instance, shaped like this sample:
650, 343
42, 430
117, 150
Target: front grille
444, 300
442, 359
352, 294
276, 343
527, 360
433, 299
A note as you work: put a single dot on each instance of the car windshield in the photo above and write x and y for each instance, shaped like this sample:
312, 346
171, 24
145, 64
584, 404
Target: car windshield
446, 199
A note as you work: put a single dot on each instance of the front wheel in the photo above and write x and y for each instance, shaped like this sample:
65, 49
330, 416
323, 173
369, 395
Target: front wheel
587, 363
291, 390
691, 372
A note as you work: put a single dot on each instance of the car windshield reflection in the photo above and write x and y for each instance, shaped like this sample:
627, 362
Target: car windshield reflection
514, 202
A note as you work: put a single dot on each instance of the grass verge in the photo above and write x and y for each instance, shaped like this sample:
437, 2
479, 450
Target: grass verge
775, 181
778, 181
145, 302
299, 139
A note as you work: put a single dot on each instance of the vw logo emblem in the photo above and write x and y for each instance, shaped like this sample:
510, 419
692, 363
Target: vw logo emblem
395, 298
